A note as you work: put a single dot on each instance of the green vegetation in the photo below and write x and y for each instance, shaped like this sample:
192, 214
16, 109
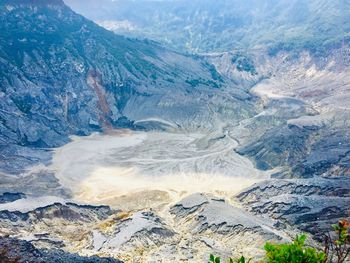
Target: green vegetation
244, 63
295, 252
213, 259
214, 73
336, 249
196, 82
242, 259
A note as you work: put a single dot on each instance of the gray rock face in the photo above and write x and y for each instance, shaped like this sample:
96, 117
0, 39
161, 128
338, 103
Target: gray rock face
10, 197
57, 211
280, 146
309, 150
310, 204
142, 227
74, 212
190, 204
216, 215
26, 252
50, 228
41, 183
301, 130
195, 227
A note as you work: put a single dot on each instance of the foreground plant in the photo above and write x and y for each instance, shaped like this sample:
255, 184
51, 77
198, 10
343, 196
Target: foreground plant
295, 252
241, 260
337, 247
214, 259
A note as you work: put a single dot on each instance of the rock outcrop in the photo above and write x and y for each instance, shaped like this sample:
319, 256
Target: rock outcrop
312, 205
15, 250
189, 230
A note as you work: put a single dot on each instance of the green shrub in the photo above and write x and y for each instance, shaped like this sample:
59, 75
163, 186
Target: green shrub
214, 259
295, 252
244, 63
338, 246
241, 260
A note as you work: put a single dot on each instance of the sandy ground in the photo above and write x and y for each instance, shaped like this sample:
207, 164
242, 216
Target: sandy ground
135, 170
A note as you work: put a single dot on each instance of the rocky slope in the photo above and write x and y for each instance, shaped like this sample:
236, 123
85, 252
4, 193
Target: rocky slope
61, 74
185, 231
303, 122
286, 110
226, 25
309, 204
293, 58
15, 250
301, 133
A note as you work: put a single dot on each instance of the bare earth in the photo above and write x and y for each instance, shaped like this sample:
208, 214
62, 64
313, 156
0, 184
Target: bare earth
138, 170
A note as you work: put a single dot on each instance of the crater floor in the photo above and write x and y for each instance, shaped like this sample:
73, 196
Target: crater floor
100, 168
